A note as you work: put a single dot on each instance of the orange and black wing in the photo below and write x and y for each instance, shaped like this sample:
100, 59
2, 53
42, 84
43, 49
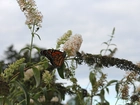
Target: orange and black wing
56, 57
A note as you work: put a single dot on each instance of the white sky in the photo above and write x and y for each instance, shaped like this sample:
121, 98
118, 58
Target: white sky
93, 19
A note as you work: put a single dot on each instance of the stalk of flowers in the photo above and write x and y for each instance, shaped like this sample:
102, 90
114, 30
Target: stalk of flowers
8, 72
124, 89
73, 45
131, 76
47, 77
63, 39
33, 16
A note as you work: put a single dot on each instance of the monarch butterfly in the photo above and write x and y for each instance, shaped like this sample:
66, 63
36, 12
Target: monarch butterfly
56, 57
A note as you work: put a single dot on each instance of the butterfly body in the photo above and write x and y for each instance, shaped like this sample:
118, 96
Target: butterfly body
56, 57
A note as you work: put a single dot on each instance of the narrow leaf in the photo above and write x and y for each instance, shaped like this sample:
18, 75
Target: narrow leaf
21, 69
45, 92
36, 48
25, 48
38, 36
117, 88
113, 44
111, 82
102, 93
22, 86
113, 31
61, 71
105, 43
92, 78
102, 51
37, 76
107, 90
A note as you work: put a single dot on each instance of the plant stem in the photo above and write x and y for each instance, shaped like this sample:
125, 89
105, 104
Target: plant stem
31, 46
109, 42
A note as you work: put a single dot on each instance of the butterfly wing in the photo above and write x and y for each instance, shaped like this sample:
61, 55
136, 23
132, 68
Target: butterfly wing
59, 58
56, 57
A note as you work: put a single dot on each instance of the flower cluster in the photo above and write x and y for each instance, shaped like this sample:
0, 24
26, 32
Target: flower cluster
55, 99
63, 39
73, 45
131, 76
47, 77
8, 72
29, 73
33, 16
124, 91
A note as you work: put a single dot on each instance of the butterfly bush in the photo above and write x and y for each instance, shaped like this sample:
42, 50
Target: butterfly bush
73, 45
33, 16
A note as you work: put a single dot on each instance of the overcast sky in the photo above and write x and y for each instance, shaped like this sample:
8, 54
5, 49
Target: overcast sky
93, 19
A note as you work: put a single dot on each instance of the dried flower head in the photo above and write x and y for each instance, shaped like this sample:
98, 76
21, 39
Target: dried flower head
73, 45
134, 98
131, 76
33, 16
124, 91
47, 77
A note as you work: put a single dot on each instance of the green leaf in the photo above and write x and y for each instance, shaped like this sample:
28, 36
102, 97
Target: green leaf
45, 65
102, 51
61, 71
105, 43
113, 31
102, 93
37, 76
117, 88
107, 90
35, 47
22, 86
38, 36
45, 92
109, 50
113, 44
92, 78
21, 69
110, 82
25, 48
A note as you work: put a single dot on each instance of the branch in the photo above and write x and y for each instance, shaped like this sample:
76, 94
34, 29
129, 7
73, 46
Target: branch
106, 61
